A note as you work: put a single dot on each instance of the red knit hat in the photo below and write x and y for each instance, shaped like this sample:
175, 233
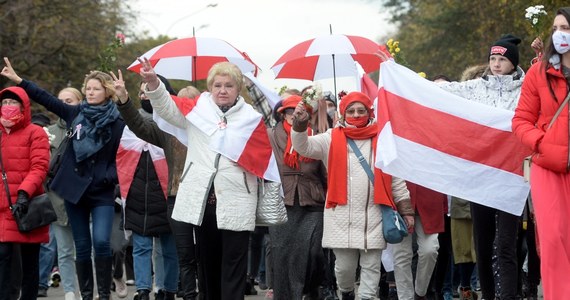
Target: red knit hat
290, 102
352, 97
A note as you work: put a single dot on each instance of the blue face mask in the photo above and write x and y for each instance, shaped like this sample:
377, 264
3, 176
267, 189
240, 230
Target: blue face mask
561, 41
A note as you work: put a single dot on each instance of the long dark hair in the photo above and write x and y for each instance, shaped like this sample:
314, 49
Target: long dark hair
549, 50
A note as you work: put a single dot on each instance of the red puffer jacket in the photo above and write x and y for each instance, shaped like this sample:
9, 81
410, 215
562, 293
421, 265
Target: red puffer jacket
535, 110
25, 155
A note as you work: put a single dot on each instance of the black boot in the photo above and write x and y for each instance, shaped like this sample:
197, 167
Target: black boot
348, 295
103, 271
143, 295
84, 271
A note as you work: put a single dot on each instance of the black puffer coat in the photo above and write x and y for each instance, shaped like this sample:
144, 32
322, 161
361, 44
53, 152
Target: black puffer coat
145, 211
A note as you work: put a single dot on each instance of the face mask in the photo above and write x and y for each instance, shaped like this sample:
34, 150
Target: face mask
331, 112
561, 41
11, 115
359, 122
146, 106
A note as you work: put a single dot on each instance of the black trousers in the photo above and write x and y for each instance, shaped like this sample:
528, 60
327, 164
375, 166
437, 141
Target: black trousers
29, 272
223, 258
485, 221
186, 250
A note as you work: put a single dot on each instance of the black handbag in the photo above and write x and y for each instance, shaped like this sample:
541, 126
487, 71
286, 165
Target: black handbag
40, 210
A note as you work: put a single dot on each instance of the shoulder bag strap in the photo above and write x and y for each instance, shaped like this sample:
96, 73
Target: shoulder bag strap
5, 178
558, 111
361, 160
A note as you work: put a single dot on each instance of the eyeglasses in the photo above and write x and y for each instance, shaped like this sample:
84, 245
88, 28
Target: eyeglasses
360, 111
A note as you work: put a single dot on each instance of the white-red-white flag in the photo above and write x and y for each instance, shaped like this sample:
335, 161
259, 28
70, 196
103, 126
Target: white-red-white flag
447, 143
243, 138
128, 156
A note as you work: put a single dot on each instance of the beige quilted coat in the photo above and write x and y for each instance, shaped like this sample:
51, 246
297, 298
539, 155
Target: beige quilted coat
357, 225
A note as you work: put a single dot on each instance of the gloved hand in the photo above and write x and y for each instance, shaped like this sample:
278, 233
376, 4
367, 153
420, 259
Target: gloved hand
21, 205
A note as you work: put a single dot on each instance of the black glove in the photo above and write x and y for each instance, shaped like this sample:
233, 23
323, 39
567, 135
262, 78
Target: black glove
21, 205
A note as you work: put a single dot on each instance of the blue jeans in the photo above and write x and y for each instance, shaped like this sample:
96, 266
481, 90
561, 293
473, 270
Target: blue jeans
47, 258
65, 256
142, 257
98, 237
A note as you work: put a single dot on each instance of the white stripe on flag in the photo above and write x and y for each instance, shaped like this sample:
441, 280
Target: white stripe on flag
452, 175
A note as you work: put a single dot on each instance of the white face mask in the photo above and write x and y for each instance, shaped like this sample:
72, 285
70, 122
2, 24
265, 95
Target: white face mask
561, 41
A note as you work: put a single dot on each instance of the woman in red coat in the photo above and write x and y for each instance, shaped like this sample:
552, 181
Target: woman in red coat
25, 157
546, 86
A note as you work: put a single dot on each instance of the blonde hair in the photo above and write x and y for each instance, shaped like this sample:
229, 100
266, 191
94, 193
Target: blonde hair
106, 82
225, 69
189, 92
73, 91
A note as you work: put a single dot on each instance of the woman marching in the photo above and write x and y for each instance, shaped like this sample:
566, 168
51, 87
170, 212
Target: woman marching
352, 216
541, 122
88, 174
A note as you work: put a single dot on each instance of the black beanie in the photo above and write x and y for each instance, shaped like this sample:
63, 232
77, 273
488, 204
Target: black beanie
11, 95
507, 47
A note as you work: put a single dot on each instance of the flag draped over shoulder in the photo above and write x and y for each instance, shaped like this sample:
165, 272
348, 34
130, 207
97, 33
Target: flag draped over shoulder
128, 156
447, 143
242, 139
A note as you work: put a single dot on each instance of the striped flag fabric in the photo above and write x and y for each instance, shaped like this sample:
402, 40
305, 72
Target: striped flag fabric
447, 143
128, 156
242, 139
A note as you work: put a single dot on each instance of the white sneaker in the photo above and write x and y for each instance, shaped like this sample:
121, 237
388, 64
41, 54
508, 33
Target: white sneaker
70, 296
121, 287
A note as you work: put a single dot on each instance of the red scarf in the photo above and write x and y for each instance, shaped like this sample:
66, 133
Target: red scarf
337, 165
290, 156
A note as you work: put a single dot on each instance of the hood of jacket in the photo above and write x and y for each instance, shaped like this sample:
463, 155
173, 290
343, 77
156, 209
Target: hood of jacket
21, 93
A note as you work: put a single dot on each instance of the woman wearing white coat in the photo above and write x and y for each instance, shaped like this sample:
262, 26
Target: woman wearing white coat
352, 216
216, 194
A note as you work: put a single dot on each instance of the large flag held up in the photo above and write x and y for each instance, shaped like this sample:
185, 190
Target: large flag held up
447, 143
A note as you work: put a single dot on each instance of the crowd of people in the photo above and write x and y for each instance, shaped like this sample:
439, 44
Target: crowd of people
186, 170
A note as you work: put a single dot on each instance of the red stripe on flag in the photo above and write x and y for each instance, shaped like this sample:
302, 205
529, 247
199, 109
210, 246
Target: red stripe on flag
127, 161
185, 105
256, 154
456, 136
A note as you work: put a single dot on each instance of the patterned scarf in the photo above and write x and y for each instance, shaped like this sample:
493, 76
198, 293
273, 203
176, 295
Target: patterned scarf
91, 128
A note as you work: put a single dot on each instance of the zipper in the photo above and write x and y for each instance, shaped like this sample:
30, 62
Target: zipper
367, 200
245, 182
216, 165
186, 171
146, 195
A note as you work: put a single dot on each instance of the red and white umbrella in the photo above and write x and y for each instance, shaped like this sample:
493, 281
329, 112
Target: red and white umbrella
191, 58
327, 57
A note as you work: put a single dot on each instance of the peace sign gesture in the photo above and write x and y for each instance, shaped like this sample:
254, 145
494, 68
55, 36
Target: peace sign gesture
148, 75
119, 85
9, 72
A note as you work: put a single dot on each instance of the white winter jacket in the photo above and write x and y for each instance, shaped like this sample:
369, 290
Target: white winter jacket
501, 91
235, 188
358, 224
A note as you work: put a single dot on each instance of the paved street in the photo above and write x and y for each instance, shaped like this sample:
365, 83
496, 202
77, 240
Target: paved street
58, 294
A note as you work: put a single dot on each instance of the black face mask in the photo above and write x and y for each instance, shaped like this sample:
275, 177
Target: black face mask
145, 104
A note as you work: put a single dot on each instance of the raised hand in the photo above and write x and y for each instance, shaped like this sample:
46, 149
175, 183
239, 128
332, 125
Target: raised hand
537, 45
300, 112
119, 84
9, 72
148, 75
